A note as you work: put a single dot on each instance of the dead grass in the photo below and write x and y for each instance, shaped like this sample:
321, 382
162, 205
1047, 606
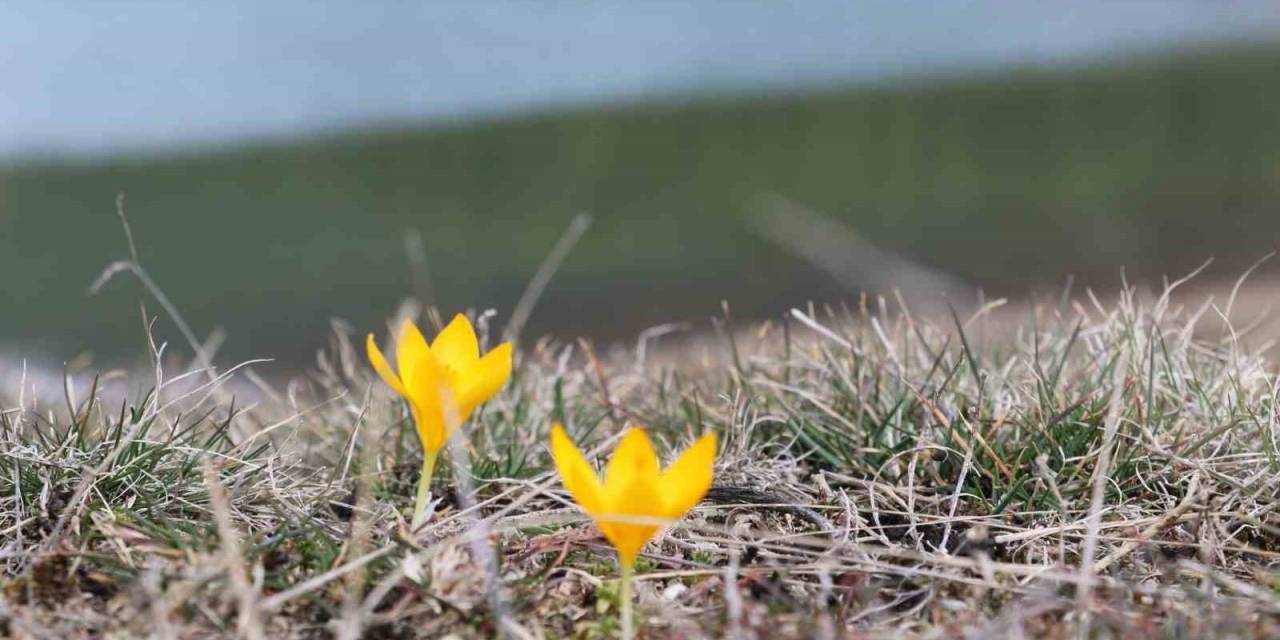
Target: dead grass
1091, 470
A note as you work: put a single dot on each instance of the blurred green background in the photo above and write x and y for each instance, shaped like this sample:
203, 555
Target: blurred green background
1009, 180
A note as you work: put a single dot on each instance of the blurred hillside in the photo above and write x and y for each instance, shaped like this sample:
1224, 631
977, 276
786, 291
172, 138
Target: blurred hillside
1005, 181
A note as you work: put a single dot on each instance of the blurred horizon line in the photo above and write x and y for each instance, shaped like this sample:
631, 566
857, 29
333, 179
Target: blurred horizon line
342, 131
286, 76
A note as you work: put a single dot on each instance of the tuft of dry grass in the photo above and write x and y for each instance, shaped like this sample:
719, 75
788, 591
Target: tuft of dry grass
1076, 469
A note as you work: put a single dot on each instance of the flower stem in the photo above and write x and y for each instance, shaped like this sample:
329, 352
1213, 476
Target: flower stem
424, 488
624, 595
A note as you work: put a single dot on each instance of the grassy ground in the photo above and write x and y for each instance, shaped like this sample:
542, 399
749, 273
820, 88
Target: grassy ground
1004, 181
1102, 469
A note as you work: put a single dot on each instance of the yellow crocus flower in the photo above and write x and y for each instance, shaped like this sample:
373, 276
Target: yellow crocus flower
636, 498
443, 382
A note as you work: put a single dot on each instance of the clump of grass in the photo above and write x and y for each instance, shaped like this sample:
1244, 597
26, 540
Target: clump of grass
1092, 468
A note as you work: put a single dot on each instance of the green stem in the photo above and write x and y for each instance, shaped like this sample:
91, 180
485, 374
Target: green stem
624, 595
424, 488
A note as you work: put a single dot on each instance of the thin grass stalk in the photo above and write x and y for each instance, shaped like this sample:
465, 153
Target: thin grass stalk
424, 488
625, 611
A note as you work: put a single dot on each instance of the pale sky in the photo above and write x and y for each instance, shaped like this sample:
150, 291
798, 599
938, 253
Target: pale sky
104, 76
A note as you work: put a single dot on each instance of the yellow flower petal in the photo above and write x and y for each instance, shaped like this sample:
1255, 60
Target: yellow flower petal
411, 350
636, 500
380, 365
484, 379
430, 395
457, 347
631, 516
634, 458
687, 480
575, 472
431, 428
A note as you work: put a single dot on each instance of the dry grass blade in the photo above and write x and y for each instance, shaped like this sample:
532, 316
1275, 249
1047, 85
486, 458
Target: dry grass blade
1104, 471
249, 624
